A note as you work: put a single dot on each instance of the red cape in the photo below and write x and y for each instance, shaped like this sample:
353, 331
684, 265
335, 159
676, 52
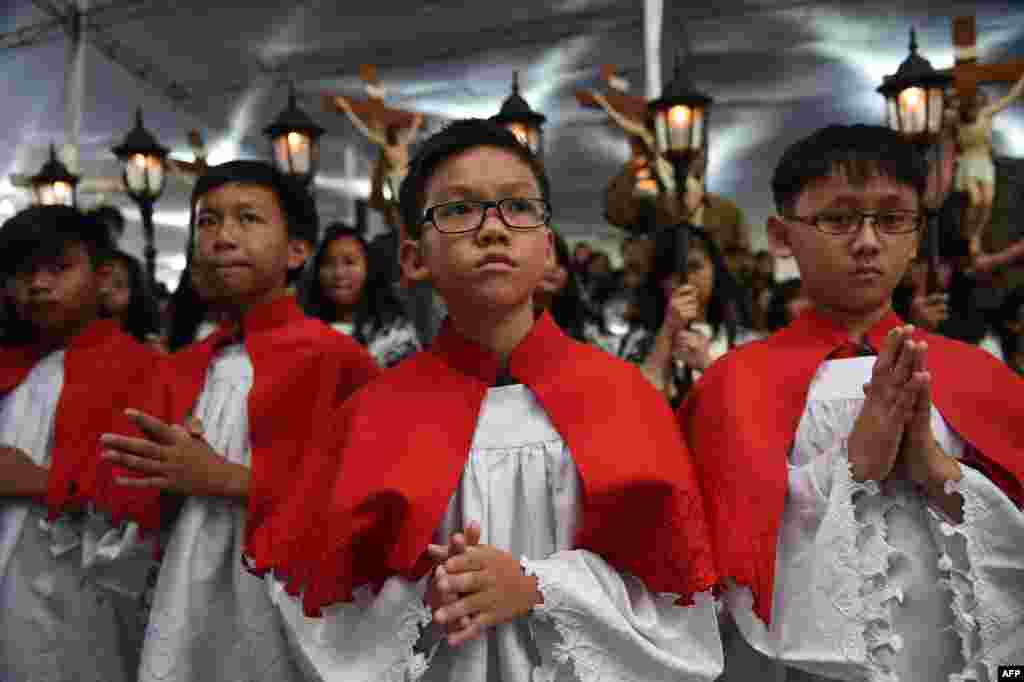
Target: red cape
406, 437
740, 421
105, 372
302, 370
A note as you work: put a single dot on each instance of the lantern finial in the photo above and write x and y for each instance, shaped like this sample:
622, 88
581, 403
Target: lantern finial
515, 82
138, 117
913, 40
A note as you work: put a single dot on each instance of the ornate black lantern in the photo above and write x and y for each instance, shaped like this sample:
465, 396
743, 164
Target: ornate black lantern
54, 184
525, 123
295, 141
915, 97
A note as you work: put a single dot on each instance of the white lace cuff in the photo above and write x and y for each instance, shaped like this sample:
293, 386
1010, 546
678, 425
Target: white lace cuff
374, 637
982, 563
610, 627
116, 558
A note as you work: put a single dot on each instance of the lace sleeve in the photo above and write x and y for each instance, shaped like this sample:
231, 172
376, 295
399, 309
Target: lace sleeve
608, 626
375, 637
982, 563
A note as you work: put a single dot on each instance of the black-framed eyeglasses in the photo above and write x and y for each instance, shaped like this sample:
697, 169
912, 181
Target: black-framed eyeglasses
517, 213
850, 222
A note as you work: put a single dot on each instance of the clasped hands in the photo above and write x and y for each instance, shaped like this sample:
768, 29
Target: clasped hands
892, 436
474, 587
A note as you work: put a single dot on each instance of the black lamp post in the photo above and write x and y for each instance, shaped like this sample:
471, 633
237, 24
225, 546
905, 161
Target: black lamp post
915, 100
525, 123
143, 163
54, 184
681, 133
295, 141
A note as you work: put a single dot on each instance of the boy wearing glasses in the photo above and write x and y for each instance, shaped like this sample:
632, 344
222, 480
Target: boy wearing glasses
863, 478
534, 515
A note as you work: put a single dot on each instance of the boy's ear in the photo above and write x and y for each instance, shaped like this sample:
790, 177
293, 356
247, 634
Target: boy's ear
549, 255
778, 237
299, 251
411, 258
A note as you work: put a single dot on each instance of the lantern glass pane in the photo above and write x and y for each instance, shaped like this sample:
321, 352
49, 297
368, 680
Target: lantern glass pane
893, 117
935, 110
697, 140
298, 152
913, 105
156, 176
661, 132
135, 174
680, 121
63, 193
281, 159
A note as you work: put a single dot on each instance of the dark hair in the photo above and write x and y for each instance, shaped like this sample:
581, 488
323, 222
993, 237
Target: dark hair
38, 234
727, 307
142, 317
454, 139
377, 306
43, 232
186, 311
569, 307
776, 314
112, 218
297, 204
860, 151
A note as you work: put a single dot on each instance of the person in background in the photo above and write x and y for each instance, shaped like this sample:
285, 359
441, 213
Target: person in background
581, 254
786, 303
126, 296
597, 274
762, 283
697, 322
351, 292
561, 295
1011, 329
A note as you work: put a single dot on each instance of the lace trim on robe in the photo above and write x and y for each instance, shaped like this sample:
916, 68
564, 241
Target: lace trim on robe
983, 616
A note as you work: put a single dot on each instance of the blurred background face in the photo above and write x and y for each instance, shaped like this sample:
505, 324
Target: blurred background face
241, 244
456, 261
343, 271
637, 262
700, 274
852, 273
600, 265
115, 288
57, 295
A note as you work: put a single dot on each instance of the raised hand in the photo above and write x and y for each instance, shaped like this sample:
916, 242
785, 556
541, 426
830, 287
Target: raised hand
176, 458
493, 590
693, 349
891, 396
682, 308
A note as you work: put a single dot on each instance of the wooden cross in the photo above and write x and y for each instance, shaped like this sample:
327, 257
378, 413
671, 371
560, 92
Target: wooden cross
630, 106
372, 110
967, 72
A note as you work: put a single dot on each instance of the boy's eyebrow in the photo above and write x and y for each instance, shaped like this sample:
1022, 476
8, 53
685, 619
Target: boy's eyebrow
510, 189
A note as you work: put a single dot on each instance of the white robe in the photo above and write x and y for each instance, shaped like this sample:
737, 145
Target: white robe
521, 484
874, 583
69, 590
211, 619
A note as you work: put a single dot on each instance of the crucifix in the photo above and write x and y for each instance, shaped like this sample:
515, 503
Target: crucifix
976, 170
647, 174
391, 130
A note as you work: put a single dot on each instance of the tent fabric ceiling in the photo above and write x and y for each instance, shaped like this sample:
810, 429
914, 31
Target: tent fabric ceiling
777, 69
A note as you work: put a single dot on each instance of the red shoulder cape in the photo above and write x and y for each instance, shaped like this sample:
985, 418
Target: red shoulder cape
741, 419
405, 439
302, 370
105, 372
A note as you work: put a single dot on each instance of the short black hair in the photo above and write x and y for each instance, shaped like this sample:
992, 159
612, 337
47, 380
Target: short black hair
861, 151
297, 203
112, 217
142, 318
40, 233
454, 139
